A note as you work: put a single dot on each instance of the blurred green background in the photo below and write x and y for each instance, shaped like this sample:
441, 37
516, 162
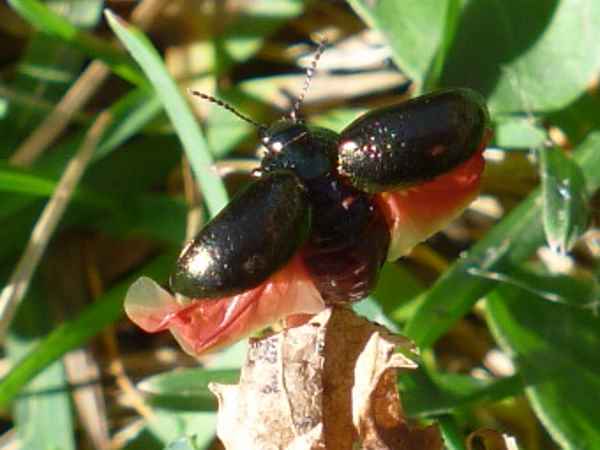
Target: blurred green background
108, 164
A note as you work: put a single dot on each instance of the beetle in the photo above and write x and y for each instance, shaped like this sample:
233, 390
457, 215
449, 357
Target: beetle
323, 214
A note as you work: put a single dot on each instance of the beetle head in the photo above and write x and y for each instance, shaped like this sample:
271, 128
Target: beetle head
282, 134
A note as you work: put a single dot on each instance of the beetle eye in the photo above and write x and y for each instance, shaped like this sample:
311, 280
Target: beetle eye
277, 146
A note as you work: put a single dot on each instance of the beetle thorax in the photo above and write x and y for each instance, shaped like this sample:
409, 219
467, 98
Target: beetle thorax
294, 146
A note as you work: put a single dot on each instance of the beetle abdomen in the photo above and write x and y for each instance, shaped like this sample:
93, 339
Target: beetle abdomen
256, 234
349, 271
348, 242
412, 142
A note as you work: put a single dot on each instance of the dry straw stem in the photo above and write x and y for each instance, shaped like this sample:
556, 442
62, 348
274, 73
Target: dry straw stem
195, 213
83, 372
33, 100
13, 293
328, 384
17, 286
77, 96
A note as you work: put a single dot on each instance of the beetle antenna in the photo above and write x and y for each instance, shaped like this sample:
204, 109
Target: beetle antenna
310, 71
228, 107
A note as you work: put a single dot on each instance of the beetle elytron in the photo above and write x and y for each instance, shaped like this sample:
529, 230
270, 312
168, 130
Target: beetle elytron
321, 218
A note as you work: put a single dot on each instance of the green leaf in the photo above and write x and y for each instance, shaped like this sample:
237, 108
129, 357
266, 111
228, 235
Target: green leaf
556, 348
518, 235
371, 309
71, 334
427, 395
177, 109
518, 132
187, 389
336, 119
526, 55
566, 214
579, 117
579, 292
413, 28
397, 291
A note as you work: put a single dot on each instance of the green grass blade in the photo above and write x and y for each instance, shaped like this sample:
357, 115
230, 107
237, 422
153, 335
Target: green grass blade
43, 413
453, 10
136, 110
451, 435
48, 22
16, 181
396, 291
565, 210
509, 242
555, 347
177, 109
518, 133
72, 334
428, 395
186, 390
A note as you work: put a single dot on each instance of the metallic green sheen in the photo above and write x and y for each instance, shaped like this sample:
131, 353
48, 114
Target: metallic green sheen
412, 142
251, 238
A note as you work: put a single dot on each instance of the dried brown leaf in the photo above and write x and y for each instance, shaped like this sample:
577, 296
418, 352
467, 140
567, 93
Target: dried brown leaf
328, 384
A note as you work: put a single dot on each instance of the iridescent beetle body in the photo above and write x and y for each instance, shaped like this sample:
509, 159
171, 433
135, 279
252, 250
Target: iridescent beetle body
413, 142
256, 234
321, 218
343, 218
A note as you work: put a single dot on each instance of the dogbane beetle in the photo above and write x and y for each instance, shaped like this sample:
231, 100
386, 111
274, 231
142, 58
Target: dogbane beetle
322, 215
